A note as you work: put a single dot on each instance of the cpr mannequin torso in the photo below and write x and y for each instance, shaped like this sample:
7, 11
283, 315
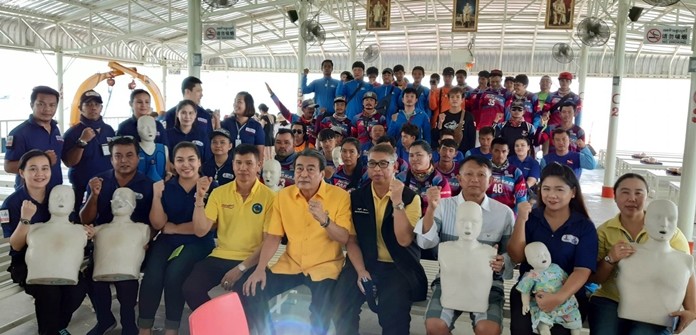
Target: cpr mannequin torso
56, 248
465, 270
547, 277
119, 246
271, 174
153, 156
652, 282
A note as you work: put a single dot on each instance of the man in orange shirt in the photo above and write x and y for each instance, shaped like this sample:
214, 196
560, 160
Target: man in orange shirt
439, 101
316, 218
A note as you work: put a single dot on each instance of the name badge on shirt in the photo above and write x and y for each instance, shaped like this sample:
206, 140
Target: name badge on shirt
139, 196
227, 175
237, 142
59, 138
361, 211
251, 130
10, 140
4, 216
572, 239
105, 149
198, 143
203, 120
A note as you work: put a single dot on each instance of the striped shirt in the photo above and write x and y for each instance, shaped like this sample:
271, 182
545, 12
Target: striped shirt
496, 229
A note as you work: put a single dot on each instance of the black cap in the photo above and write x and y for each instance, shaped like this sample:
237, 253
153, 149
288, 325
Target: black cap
370, 95
263, 107
90, 95
339, 98
358, 64
399, 67
448, 71
372, 70
484, 74
387, 70
221, 132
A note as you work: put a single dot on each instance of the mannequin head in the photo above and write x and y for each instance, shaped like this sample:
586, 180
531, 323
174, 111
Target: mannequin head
61, 201
271, 172
336, 156
469, 220
147, 129
538, 256
661, 220
123, 202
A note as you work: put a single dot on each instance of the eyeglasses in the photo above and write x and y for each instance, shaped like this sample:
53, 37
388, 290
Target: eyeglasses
382, 164
517, 109
297, 131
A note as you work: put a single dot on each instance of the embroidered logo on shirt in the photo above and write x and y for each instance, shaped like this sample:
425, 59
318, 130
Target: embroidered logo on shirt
572, 239
256, 208
227, 206
203, 120
197, 142
4, 216
361, 211
59, 138
228, 175
10, 140
251, 130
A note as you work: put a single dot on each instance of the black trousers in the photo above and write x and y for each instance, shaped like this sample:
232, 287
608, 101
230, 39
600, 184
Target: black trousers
259, 316
207, 274
394, 312
127, 295
522, 324
55, 304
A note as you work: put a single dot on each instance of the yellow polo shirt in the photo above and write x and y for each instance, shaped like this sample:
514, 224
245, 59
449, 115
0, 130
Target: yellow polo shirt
240, 223
413, 212
310, 251
612, 232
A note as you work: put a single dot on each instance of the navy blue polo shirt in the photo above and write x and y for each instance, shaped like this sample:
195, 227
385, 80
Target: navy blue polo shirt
249, 133
129, 127
203, 119
95, 156
140, 184
11, 211
197, 136
529, 166
178, 204
572, 245
221, 174
30, 135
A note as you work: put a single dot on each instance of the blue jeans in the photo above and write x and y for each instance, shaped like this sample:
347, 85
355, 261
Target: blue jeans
604, 320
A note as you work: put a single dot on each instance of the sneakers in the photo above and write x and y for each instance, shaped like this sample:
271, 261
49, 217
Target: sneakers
101, 330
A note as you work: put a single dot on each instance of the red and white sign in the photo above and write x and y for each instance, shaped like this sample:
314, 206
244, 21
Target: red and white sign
667, 35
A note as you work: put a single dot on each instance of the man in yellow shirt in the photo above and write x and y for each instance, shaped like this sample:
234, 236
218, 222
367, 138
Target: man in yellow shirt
240, 211
384, 259
316, 219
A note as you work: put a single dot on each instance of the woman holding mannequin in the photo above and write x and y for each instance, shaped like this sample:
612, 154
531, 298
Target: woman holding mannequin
562, 223
176, 249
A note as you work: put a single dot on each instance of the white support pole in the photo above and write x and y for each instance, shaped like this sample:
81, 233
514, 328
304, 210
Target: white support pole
582, 72
353, 46
165, 72
195, 38
301, 51
619, 52
687, 193
59, 75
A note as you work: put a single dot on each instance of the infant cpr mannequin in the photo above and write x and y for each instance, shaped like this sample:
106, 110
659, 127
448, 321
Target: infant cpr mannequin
119, 246
547, 277
55, 249
652, 282
271, 174
465, 271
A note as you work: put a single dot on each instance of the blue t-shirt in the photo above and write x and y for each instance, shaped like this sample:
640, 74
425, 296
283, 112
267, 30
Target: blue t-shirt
324, 90
140, 184
178, 205
249, 133
354, 91
30, 135
477, 152
129, 127
388, 99
423, 102
220, 174
95, 156
11, 211
573, 244
153, 165
203, 119
529, 167
419, 118
197, 136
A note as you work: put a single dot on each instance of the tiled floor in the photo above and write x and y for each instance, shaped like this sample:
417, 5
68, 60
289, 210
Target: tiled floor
293, 319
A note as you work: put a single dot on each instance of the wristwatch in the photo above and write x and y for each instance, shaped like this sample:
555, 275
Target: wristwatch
241, 267
608, 259
24, 221
81, 143
400, 206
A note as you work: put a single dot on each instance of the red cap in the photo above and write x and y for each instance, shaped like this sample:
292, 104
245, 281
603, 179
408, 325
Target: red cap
565, 75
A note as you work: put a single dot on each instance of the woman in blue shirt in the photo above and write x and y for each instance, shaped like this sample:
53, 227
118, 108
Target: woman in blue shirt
562, 223
54, 304
186, 128
523, 159
176, 249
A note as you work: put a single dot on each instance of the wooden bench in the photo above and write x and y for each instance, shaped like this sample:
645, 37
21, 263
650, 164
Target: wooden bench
8, 288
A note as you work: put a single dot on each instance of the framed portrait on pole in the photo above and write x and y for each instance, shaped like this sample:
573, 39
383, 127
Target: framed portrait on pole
378, 14
465, 15
559, 14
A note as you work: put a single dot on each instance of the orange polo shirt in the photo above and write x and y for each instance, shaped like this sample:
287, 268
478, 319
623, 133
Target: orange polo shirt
310, 251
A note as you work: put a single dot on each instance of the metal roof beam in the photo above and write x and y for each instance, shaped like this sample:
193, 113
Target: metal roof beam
84, 13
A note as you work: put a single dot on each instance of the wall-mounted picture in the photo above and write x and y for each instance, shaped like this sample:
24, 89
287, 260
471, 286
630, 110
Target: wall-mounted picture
378, 12
559, 14
465, 15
